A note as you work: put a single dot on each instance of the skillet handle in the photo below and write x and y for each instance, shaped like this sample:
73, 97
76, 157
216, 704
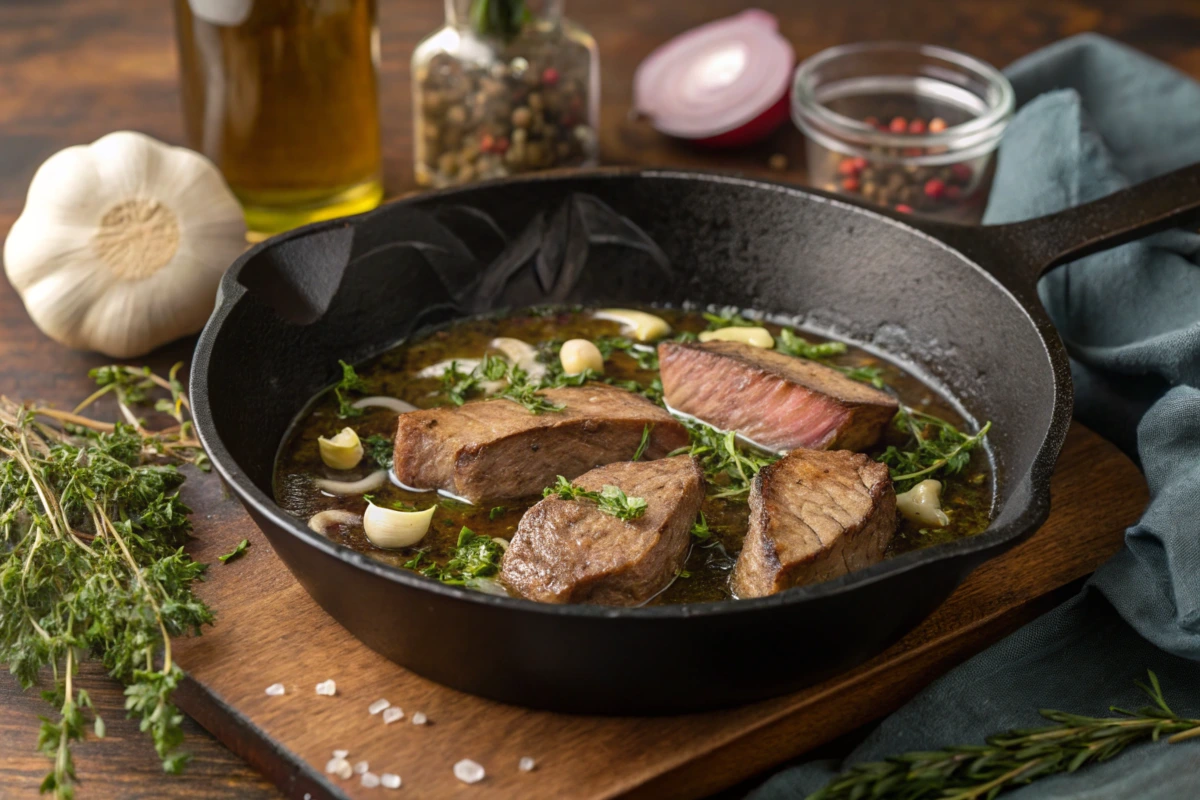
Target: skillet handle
1019, 253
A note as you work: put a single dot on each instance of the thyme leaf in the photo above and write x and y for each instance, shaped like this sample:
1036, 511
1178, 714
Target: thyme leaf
236, 552
609, 500
645, 356
729, 466
350, 382
700, 528
1015, 757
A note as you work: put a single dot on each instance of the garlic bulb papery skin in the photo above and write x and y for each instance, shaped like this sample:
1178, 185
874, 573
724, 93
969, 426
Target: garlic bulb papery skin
388, 528
122, 243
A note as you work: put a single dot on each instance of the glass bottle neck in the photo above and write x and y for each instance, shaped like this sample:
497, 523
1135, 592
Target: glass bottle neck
458, 12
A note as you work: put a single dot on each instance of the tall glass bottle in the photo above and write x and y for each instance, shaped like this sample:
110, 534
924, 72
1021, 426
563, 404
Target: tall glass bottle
281, 94
506, 86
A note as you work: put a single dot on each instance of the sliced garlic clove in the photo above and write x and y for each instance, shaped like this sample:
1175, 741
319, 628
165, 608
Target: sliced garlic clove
922, 504
390, 528
638, 324
755, 337
322, 521
380, 401
342, 451
580, 355
523, 354
360, 486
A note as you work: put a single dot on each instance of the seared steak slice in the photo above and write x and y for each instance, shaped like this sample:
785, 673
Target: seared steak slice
776, 400
568, 551
497, 450
814, 515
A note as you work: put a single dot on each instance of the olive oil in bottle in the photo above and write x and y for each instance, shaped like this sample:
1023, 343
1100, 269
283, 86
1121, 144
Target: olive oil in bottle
281, 95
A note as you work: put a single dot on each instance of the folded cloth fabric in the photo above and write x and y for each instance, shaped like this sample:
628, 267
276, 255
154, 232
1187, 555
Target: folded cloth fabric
1096, 116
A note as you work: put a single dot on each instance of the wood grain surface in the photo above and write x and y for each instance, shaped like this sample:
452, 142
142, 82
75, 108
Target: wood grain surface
73, 70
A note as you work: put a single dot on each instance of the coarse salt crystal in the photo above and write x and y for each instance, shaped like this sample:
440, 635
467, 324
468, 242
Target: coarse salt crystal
392, 714
275, 689
370, 780
339, 767
344, 770
419, 719
389, 781
468, 771
362, 768
340, 753
526, 764
332, 765
377, 706
327, 688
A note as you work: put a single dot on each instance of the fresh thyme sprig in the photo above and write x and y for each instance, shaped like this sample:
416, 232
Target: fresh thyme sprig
609, 500
1015, 757
934, 447
729, 467
92, 560
475, 557
646, 357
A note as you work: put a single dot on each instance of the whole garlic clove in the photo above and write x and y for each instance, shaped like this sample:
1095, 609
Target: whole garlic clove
122, 243
639, 325
755, 337
389, 528
580, 355
922, 504
342, 451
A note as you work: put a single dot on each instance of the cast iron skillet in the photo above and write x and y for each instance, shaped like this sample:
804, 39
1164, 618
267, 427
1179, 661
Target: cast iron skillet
957, 304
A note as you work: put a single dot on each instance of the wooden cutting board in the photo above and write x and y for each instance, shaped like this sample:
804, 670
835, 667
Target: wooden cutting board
269, 631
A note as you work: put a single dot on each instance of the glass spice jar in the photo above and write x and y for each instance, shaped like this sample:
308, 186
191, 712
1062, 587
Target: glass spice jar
909, 126
507, 86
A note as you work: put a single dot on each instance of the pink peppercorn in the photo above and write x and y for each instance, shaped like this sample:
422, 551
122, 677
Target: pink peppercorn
487, 142
961, 172
917, 126
847, 166
898, 125
850, 184
903, 209
937, 125
935, 188
501, 146
549, 76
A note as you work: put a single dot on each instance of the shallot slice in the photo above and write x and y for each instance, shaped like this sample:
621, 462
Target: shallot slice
382, 401
322, 521
360, 486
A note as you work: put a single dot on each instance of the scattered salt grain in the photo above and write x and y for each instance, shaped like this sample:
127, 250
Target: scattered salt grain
307, 796
468, 771
370, 780
275, 689
362, 768
419, 719
526, 764
340, 753
392, 714
327, 688
339, 767
377, 706
389, 781
344, 771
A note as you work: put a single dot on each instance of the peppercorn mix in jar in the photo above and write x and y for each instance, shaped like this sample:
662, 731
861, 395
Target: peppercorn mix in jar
507, 86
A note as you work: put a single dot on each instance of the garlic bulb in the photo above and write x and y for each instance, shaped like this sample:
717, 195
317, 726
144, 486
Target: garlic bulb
122, 243
922, 504
342, 451
638, 324
386, 527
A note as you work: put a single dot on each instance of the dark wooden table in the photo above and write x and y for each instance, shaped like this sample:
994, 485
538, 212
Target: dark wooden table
73, 70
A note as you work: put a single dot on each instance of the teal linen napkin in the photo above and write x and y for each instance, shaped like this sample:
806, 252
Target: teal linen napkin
1096, 116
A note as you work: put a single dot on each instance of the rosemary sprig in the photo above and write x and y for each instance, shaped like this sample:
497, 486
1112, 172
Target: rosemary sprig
1015, 757
609, 500
729, 467
92, 559
934, 447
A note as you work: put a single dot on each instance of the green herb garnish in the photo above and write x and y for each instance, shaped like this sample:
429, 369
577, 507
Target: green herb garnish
646, 358
729, 467
700, 528
729, 317
475, 556
379, 449
934, 447
641, 448
350, 382
93, 563
502, 18
789, 343
496, 512
609, 500
1015, 757
400, 505
235, 552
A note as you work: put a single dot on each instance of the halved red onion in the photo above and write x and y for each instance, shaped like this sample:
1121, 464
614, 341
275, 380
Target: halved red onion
723, 84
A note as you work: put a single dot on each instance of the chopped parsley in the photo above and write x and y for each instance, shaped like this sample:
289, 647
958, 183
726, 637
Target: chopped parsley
379, 449
496, 512
609, 500
641, 448
350, 382
241, 548
700, 528
475, 556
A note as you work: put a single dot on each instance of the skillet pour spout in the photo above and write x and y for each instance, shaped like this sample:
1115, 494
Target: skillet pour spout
955, 305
